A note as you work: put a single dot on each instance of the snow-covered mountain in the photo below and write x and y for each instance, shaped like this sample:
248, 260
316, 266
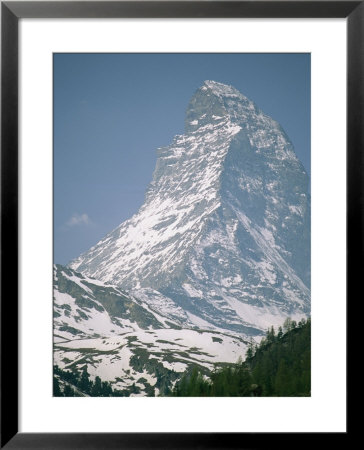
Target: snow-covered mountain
224, 232
140, 347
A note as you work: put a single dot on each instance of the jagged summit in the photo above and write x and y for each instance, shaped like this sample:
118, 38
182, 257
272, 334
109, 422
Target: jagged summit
222, 90
224, 231
214, 102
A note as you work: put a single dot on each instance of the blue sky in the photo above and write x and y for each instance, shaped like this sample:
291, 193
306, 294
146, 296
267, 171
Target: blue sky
112, 111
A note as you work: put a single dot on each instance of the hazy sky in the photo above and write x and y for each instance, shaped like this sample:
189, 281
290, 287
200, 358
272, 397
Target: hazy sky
112, 111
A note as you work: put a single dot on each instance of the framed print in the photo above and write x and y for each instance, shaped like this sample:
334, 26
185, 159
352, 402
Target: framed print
180, 320
165, 298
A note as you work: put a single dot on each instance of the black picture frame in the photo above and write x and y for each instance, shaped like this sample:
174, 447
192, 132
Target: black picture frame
11, 12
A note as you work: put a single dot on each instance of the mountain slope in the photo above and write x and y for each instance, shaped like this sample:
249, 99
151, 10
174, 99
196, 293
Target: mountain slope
140, 348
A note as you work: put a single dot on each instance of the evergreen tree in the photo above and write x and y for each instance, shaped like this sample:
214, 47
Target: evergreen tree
280, 333
56, 388
85, 380
68, 391
287, 324
250, 350
270, 335
96, 390
106, 389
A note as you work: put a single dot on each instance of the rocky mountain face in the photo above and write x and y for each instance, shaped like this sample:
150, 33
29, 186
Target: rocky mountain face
223, 236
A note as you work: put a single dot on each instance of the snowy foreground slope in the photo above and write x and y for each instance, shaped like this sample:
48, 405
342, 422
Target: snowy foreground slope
135, 346
224, 232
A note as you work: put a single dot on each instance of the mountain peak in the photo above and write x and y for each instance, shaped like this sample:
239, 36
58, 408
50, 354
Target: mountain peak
224, 229
222, 90
215, 101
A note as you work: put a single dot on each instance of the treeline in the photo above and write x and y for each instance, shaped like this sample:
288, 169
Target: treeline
77, 383
280, 366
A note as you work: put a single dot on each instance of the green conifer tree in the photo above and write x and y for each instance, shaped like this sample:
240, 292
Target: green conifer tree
56, 388
68, 391
85, 380
96, 390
